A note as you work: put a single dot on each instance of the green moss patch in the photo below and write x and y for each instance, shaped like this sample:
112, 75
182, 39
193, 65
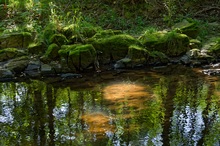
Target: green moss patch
170, 43
82, 56
114, 47
10, 53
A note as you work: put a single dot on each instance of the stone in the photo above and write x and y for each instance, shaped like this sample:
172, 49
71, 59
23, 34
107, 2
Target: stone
82, 57
171, 43
6, 73
15, 40
18, 65
10, 53
191, 29
70, 76
114, 48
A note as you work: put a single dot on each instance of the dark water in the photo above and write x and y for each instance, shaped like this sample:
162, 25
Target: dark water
177, 107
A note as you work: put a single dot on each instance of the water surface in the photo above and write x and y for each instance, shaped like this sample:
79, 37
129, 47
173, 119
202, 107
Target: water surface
173, 107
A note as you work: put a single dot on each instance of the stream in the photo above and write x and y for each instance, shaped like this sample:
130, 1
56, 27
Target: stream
176, 106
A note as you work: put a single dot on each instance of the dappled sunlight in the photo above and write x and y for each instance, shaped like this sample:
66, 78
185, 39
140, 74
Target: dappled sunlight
98, 123
127, 94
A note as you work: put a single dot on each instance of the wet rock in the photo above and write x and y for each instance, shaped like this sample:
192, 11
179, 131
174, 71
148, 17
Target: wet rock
6, 73
18, 65
33, 68
70, 76
185, 59
211, 71
122, 63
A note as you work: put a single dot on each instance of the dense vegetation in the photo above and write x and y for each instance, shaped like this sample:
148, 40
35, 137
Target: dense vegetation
127, 15
133, 32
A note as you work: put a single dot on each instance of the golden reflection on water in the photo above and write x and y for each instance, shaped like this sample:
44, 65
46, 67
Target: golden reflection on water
129, 94
98, 122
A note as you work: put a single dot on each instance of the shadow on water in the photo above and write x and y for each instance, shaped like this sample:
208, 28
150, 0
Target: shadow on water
173, 106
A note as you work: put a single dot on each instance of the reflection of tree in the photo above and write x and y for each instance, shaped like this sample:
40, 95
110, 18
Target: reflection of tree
51, 101
39, 116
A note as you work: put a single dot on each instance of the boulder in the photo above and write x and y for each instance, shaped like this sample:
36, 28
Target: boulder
18, 65
58, 39
52, 52
83, 56
10, 53
172, 44
114, 48
36, 48
191, 29
6, 73
15, 40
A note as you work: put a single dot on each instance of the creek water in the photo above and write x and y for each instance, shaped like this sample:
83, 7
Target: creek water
176, 106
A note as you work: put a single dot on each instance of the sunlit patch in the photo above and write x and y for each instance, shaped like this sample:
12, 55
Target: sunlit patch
98, 123
129, 94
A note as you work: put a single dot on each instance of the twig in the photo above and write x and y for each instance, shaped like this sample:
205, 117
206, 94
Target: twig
207, 9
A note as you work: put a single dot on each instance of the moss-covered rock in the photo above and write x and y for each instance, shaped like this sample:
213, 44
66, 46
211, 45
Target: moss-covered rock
58, 39
191, 29
36, 48
52, 51
10, 53
15, 40
137, 54
115, 47
65, 49
215, 47
170, 43
82, 56
18, 65
158, 58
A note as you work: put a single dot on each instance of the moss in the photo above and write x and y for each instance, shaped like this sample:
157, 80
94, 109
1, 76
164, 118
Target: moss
36, 48
171, 43
18, 65
82, 56
138, 53
114, 47
15, 40
58, 39
52, 51
156, 57
191, 29
216, 47
10, 53
104, 34
69, 30
89, 31
65, 49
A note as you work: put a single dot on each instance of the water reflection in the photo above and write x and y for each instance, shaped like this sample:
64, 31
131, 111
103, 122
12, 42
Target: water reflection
169, 111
